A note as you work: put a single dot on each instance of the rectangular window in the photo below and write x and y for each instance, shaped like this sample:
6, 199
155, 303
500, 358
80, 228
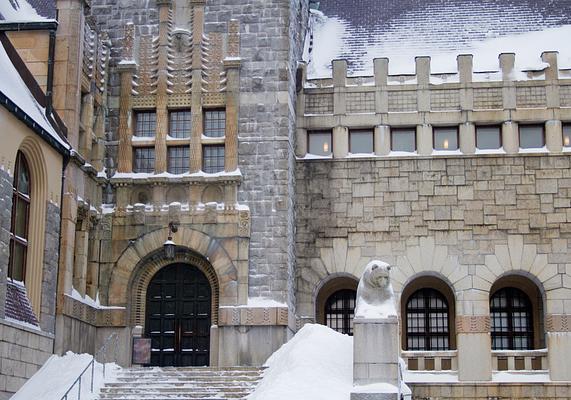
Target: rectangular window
531, 137
567, 135
213, 158
144, 159
488, 137
446, 138
403, 139
146, 123
178, 159
215, 123
319, 143
180, 124
361, 141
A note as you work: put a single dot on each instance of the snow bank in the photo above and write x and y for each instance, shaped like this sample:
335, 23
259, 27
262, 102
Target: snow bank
58, 374
317, 364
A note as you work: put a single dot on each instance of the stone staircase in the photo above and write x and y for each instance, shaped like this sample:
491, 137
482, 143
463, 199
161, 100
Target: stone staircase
200, 383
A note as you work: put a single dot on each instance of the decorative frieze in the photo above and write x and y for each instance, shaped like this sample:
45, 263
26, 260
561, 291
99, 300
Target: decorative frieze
473, 324
558, 323
253, 316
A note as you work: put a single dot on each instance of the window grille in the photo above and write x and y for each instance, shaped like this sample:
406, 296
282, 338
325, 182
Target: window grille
340, 310
215, 123
146, 123
144, 159
427, 321
512, 324
213, 159
180, 125
178, 159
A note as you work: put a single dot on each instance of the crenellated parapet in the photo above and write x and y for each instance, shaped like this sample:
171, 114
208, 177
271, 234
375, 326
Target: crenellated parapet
464, 99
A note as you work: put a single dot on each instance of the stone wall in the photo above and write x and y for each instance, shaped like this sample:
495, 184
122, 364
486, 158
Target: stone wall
350, 211
488, 391
51, 259
23, 351
271, 42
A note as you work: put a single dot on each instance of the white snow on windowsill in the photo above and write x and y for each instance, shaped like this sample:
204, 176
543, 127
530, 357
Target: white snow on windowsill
360, 155
23, 323
446, 152
90, 302
490, 151
402, 153
200, 174
58, 374
534, 150
310, 156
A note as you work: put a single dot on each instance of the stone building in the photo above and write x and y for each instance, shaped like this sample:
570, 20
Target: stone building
235, 165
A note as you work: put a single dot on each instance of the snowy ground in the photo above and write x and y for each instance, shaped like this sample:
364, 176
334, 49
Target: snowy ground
58, 374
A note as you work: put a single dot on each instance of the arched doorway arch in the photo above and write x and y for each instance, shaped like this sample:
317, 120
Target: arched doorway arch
155, 262
179, 316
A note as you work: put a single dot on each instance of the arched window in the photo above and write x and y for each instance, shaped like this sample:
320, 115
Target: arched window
20, 219
427, 321
512, 320
340, 310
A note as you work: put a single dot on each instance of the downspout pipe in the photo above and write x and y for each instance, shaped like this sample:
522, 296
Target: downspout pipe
51, 65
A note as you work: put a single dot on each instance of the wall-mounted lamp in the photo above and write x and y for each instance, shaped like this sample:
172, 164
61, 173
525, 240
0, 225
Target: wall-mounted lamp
170, 245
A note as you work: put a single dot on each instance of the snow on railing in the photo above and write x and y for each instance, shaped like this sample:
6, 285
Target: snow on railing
431, 360
77, 382
519, 360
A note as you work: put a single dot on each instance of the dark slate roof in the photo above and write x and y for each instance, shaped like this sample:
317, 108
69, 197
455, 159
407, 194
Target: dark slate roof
18, 305
427, 26
44, 8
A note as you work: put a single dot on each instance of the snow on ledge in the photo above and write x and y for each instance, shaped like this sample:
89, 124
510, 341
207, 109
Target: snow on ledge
90, 302
199, 174
259, 302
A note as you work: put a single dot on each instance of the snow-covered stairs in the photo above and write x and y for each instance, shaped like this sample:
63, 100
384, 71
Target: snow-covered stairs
198, 383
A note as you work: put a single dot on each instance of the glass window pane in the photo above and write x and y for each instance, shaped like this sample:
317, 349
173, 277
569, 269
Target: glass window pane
21, 218
531, 137
146, 124
567, 135
361, 141
340, 309
319, 143
213, 159
215, 123
144, 159
488, 137
18, 260
23, 176
403, 140
178, 159
180, 125
446, 138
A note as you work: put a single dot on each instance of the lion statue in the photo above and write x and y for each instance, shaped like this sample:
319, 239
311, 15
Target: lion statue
375, 296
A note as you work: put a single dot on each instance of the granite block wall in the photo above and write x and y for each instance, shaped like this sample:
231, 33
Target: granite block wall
5, 218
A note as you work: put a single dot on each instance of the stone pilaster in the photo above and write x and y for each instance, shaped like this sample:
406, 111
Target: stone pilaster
196, 107
232, 66
474, 347
558, 327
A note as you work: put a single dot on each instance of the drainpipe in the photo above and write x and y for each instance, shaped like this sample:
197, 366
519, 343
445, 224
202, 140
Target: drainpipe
51, 65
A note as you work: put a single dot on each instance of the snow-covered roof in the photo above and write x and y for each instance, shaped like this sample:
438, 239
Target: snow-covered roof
27, 10
15, 89
361, 30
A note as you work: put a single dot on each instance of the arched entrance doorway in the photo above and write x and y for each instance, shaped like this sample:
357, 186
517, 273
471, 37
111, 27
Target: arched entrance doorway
178, 316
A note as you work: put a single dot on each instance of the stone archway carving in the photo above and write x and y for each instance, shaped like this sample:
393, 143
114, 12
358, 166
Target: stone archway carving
149, 266
143, 258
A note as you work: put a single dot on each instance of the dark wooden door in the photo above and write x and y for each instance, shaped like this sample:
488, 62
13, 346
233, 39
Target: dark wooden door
178, 317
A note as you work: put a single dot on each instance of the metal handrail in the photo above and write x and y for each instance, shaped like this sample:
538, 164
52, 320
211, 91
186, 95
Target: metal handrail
103, 349
91, 365
78, 381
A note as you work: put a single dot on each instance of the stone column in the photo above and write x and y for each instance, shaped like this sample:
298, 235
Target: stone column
552, 79
162, 86
381, 68
467, 138
424, 139
474, 347
507, 65
127, 69
340, 142
465, 69
87, 116
382, 140
423, 80
554, 136
510, 137
196, 102
339, 83
558, 328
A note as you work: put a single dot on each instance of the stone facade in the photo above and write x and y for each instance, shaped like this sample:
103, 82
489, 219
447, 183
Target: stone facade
23, 352
5, 210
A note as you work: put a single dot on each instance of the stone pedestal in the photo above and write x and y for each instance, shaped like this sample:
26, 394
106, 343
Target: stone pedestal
376, 373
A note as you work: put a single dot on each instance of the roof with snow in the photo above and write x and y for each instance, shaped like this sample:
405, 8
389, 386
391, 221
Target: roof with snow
23, 97
27, 10
361, 30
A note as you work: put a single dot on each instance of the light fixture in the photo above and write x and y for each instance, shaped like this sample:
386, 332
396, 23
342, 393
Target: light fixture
445, 144
567, 141
170, 245
325, 147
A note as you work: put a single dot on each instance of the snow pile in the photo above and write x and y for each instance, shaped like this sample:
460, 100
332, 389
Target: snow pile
317, 364
13, 87
19, 11
58, 374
